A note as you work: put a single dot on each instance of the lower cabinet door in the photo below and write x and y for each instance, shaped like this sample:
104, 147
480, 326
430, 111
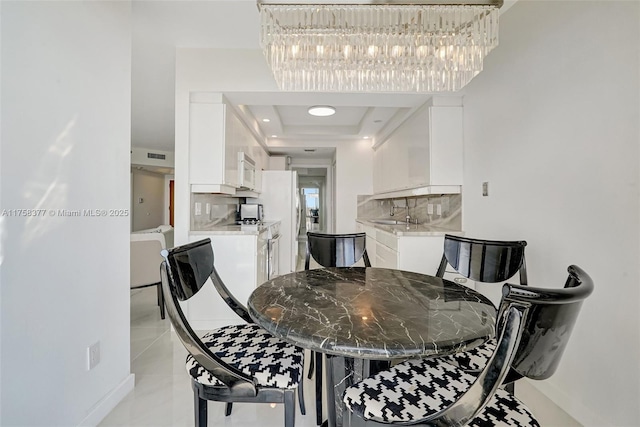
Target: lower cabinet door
385, 256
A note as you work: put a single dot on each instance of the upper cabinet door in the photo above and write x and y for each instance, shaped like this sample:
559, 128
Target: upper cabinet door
425, 151
207, 158
216, 136
445, 146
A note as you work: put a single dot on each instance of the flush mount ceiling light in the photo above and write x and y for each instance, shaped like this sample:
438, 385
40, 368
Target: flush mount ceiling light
377, 45
321, 110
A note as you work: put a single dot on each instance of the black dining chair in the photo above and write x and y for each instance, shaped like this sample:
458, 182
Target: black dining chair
534, 328
239, 363
336, 250
485, 261
332, 250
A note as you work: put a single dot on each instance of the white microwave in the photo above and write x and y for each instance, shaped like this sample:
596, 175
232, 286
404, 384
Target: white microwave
246, 171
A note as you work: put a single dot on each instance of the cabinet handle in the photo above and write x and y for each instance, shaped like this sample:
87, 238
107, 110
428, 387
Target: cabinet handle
460, 280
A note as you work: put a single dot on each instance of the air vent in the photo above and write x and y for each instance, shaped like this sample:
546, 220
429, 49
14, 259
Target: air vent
156, 156
310, 150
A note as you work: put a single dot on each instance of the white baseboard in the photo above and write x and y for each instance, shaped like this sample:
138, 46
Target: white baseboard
107, 403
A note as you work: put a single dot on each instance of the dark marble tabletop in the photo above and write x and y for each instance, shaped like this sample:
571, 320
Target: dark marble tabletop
372, 313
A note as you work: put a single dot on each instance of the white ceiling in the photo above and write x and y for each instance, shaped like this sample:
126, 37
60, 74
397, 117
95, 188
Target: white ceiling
159, 27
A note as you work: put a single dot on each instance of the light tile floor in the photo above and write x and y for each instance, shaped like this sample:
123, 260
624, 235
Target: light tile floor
162, 395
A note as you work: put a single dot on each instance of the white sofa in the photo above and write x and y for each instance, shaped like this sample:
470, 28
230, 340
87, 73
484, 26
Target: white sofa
146, 259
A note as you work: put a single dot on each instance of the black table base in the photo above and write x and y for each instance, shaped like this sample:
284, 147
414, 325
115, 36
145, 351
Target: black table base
342, 372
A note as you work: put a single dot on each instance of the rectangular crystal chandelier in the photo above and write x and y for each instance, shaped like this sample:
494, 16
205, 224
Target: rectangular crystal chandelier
377, 46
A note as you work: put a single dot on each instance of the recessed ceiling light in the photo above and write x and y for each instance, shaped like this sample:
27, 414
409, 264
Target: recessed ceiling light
274, 136
365, 137
266, 120
321, 110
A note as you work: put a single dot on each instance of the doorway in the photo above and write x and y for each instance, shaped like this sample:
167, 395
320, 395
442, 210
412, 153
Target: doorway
314, 200
171, 200
311, 208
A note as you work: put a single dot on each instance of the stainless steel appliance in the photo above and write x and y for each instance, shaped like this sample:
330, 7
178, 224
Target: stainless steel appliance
251, 214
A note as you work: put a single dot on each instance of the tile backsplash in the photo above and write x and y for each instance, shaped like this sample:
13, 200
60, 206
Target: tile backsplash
222, 209
210, 210
442, 210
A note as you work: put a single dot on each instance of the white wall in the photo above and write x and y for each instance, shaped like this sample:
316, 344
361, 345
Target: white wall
552, 125
149, 187
66, 72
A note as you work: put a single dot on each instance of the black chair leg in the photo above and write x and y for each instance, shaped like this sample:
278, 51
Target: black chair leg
310, 374
200, 410
161, 300
303, 409
228, 408
289, 408
318, 363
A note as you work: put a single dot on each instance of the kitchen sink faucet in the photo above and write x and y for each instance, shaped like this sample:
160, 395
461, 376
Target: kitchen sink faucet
406, 206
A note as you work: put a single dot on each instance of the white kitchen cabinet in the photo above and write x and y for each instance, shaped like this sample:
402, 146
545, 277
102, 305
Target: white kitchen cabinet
241, 262
425, 151
386, 257
262, 260
370, 241
420, 254
216, 136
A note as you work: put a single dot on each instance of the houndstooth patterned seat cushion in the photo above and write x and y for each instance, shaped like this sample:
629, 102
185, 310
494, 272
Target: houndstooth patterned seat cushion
416, 389
251, 349
472, 360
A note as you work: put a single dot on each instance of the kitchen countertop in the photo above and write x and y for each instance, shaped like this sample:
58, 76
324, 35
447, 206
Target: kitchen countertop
234, 229
411, 229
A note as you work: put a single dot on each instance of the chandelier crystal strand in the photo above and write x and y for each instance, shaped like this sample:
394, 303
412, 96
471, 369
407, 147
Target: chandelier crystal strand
377, 48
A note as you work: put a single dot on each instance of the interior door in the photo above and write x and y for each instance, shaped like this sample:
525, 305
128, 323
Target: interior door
171, 206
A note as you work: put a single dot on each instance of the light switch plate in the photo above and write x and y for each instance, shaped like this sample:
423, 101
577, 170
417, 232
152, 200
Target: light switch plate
93, 355
430, 209
198, 208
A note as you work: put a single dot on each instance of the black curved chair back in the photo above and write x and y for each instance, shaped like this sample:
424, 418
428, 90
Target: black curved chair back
551, 316
193, 263
336, 250
184, 272
534, 326
487, 261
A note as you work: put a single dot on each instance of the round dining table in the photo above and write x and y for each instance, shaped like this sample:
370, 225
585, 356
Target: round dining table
357, 314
